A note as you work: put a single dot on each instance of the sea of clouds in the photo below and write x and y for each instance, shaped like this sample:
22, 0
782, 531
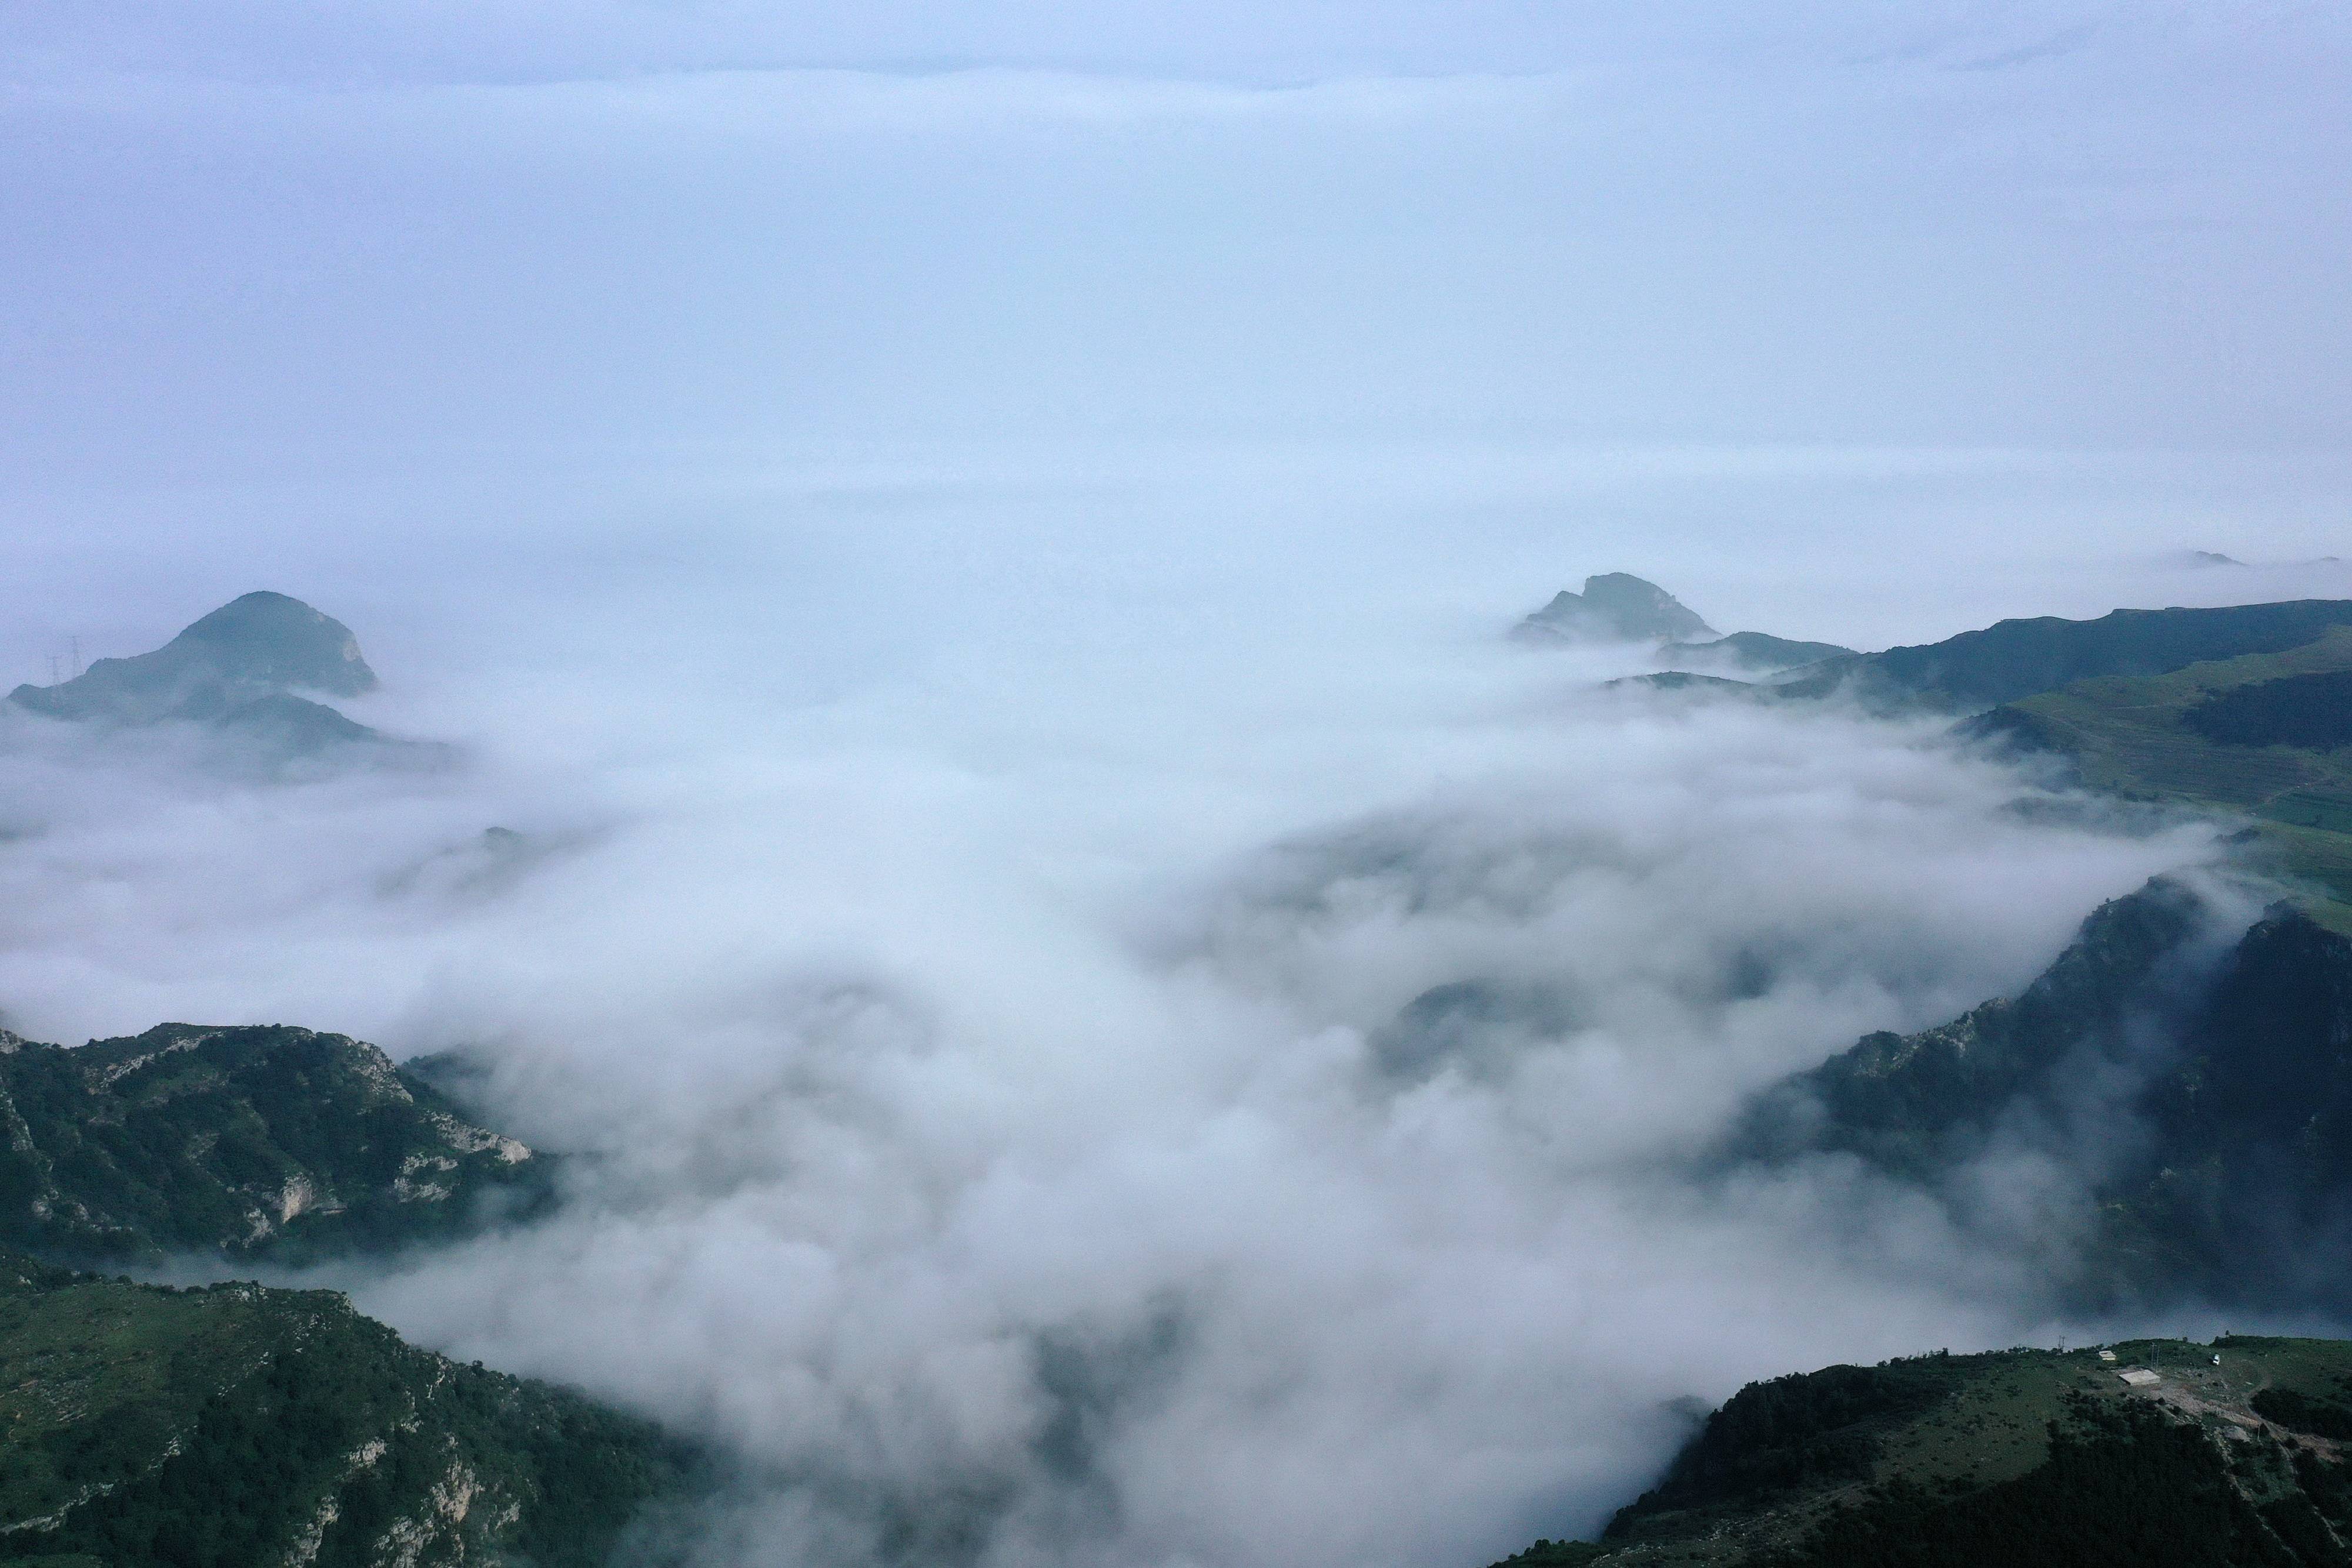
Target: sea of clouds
971, 960
1100, 1017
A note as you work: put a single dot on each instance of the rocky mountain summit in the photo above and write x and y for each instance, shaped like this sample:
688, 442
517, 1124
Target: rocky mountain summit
241, 674
1613, 608
1616, 607
244, 1143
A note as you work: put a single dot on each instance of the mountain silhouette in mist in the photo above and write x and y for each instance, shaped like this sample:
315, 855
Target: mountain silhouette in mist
1616, 607
1753, 652
1613, 608
240, 672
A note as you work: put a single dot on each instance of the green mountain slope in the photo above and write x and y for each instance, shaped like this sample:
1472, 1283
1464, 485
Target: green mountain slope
2023, 1457
250, 1142
2016, 659
2203, 1102
2240, 734
2313, 712
254, 646
230, 1426
2246, 709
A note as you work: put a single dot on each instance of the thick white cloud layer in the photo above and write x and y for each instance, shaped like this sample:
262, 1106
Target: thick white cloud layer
995, 1128
970, 543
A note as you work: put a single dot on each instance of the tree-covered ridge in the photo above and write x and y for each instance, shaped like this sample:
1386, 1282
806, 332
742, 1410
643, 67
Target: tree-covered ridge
231, 1425
1915, 1104
2018, 1457
2263, 736
248, 1141
2312, 711
1750, 653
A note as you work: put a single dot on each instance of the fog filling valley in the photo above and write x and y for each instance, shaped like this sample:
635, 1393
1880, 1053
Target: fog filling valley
1001, 1120
1096, 1013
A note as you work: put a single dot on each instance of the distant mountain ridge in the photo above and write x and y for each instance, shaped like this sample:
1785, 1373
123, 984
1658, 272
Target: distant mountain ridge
1753, 652
1615, 607
2014, 659
2245, 709
240, 672
261, 1142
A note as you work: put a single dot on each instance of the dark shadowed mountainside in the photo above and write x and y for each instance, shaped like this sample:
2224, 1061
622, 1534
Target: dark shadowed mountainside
2200, 1096
247, 1142
230, 1426
2159, 1453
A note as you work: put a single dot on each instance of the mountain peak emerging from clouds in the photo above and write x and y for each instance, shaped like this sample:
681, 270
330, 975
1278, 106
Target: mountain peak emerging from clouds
273, 640
1615, 607
236, 670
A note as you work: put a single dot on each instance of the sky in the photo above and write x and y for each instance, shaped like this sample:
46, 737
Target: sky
972, 544
253, 239
1490, 296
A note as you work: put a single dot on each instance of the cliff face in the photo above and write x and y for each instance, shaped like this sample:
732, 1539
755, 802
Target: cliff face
248, 1141
234, 1425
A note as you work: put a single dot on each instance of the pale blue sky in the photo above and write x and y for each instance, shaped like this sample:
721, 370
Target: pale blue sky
246, 232
929, 519
348, 298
